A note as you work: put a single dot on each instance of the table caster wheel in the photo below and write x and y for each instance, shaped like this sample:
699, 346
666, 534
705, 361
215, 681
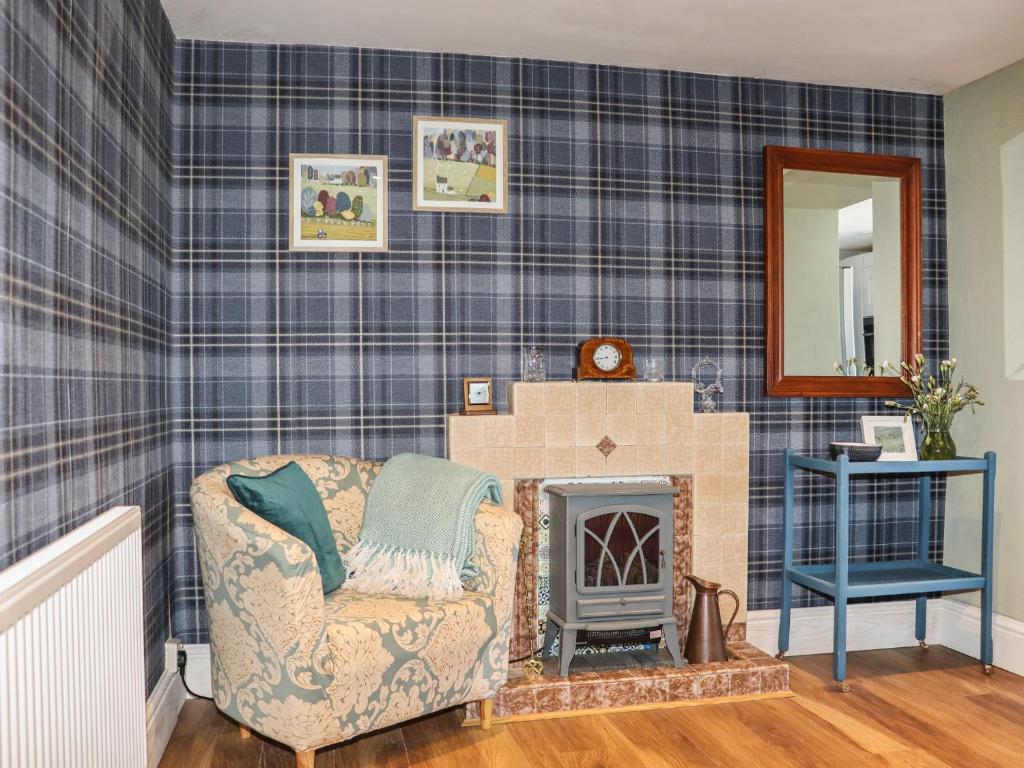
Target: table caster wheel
842, 685
987, 669
923, 644
780, 655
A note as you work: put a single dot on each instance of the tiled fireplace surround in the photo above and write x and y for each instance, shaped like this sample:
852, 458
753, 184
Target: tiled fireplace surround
616, 430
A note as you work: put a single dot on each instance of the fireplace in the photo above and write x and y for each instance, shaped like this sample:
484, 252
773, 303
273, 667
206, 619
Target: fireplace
612, 565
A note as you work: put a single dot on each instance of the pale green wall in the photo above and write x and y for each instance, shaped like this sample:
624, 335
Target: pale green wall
811, 288
984, 257
886, 284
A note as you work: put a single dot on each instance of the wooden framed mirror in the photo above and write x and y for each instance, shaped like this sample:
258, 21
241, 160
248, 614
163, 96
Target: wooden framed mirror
843, 289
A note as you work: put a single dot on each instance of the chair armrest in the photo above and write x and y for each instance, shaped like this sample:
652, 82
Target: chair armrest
264, 601
495, 553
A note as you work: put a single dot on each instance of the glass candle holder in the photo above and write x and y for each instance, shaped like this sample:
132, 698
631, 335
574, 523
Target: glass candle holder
533, 364
653, 370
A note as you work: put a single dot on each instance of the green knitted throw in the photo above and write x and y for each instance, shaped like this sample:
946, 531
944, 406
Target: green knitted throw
417, 535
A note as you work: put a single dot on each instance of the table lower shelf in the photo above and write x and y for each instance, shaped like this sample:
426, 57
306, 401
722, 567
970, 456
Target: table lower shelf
890, 577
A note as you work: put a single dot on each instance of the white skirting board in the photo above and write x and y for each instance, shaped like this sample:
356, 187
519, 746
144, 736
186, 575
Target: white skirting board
872, 626
165, 703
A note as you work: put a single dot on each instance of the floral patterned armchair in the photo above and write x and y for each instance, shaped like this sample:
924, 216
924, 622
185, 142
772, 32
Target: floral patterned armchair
308, 670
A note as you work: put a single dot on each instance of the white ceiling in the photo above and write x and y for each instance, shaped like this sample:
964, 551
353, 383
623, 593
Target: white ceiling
911, 45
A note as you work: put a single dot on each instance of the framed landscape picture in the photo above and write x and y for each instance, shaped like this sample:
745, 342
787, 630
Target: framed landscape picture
894, 433
460, 164
338, 202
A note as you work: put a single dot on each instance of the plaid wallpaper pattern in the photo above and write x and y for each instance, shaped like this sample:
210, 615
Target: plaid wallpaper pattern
636, 200
85, 332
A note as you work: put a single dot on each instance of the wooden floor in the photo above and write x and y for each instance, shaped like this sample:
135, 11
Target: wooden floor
907, 708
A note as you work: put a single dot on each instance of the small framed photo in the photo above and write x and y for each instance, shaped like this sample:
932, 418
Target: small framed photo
894, 433
337, 202
460, 164
477, 396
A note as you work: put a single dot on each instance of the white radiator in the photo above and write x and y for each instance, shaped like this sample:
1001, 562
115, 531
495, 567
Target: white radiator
72, 675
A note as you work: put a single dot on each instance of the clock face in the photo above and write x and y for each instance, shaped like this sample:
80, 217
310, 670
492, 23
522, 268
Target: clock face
607, 357
479, 393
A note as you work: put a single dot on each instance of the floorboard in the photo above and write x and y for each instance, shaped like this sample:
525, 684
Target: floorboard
908, 708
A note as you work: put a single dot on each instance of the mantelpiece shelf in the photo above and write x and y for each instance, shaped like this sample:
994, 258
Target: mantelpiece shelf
843, 580
890, 577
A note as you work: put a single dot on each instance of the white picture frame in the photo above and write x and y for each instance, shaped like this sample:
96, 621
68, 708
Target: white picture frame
361, 181
894, 433
448, 176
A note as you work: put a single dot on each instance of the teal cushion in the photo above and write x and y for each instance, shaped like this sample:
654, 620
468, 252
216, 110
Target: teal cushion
288, 499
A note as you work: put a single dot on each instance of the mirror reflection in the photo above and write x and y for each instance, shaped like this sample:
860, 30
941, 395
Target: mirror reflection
841, 273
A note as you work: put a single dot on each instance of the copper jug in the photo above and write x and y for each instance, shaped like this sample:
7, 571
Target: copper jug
705, 639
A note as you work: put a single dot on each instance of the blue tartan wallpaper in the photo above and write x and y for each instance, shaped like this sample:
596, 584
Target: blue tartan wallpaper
635, 210
85, 326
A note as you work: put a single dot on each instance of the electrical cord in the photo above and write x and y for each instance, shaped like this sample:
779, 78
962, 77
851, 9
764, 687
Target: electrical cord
182, 661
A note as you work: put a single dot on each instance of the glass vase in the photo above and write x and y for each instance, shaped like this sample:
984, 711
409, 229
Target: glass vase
938, 445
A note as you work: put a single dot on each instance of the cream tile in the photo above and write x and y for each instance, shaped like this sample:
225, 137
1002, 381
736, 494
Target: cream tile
500, 461
735, 459
560, 429
651, 397
463, 454
621, 397
735, 517
735, 578
650, 429
707, 490
622, 461
621, 427
529, 429
498, 430
591, 398
679, 400
590, 428
707, 550
465, 432
708, 427
559, 397
590, 462
526, 397
709, 458
559, 461
651, 459
680, 460
680, 429
734, 549
735, 427
735, 489
529, 462
708, 519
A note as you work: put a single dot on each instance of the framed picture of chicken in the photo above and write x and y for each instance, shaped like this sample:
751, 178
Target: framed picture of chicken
460, 164
338, 202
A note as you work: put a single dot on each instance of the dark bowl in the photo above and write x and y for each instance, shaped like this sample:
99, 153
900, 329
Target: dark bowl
856, 451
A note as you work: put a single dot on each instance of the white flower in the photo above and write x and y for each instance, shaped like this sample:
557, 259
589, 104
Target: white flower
939, 392
915, 378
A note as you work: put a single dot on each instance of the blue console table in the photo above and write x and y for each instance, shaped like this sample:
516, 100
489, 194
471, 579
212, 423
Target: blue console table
842, 580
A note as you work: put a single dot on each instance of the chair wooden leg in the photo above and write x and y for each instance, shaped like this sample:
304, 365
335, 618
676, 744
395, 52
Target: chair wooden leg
244, 731
305, 759
486, 708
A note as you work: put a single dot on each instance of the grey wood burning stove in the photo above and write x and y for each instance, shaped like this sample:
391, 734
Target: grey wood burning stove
611, 563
